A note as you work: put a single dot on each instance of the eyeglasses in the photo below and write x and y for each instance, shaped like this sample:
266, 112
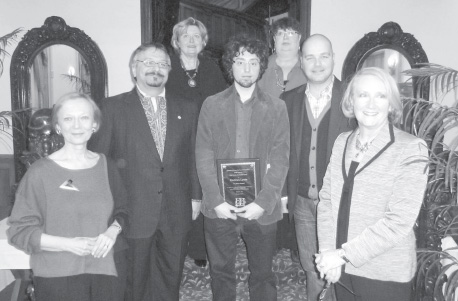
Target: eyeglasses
150, 63
289, 33
242, 63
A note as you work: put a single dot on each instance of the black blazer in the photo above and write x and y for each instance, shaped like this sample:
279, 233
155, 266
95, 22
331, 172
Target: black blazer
295, 104
154, 187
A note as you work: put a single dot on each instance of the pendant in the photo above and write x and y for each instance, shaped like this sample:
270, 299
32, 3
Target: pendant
192, 83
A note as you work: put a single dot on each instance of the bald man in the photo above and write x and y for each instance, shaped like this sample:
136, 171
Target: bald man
316, 120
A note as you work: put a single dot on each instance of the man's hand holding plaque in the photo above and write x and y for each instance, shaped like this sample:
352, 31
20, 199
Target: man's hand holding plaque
250, 211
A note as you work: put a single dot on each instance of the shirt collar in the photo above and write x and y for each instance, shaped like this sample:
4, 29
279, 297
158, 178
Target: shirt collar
327, 92
143, 94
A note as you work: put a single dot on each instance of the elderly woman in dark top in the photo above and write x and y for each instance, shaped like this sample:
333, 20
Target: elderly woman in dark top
69, 210
194, 77
371, 195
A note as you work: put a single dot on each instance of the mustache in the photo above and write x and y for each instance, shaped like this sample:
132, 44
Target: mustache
155, 73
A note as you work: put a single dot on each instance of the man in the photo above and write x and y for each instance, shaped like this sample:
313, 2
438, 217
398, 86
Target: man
316, 120
243, 122
151, 134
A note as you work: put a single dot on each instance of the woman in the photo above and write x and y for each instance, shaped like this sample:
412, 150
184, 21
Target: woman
284, 69
65, 214
194, 77
371, 196
283, 74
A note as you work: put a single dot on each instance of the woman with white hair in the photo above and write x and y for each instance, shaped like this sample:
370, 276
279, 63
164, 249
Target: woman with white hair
371, 196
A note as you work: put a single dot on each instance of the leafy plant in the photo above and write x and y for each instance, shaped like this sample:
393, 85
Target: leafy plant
437, 269
5, 41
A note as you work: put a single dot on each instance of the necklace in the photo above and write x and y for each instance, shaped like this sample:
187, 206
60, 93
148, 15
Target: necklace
191, 81
279, 82
362, 148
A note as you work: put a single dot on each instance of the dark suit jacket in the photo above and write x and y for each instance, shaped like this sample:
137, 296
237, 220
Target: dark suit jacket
269, 141
295, 103
153, 187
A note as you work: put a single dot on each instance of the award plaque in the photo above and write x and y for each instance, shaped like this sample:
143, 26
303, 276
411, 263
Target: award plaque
239, 180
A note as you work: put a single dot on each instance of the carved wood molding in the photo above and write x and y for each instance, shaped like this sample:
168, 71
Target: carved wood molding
390, 35
54, 31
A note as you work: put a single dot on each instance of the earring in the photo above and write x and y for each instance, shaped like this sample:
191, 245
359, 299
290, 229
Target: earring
57, 131
93, 130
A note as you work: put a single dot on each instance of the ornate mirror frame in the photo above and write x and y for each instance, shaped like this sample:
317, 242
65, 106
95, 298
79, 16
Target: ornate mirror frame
54, 31
391, 36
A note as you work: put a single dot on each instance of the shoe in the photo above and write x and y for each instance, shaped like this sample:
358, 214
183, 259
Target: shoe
295, 256
201, 263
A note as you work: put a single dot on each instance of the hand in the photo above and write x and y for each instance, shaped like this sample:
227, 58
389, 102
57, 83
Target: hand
104, 242
328, 260
333, 275
250, 211
196, 209
80, 246
284, 204
226, 211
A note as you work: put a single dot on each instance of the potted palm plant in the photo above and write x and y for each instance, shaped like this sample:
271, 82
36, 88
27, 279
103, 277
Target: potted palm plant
5, 116
437, 227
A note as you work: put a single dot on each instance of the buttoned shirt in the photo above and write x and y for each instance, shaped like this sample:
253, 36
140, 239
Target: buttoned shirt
318, 104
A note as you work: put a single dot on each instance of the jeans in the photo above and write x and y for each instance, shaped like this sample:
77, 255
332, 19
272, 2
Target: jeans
221, 236
307, 241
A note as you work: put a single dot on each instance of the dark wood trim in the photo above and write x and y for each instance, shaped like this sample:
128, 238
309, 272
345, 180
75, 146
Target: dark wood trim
145, 18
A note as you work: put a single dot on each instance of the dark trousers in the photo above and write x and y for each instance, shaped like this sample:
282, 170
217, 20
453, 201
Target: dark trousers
156, 265
366, 289
221, 236
196, 247
83, 287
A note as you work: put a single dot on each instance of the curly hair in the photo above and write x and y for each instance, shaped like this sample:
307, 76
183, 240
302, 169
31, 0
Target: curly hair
240, 43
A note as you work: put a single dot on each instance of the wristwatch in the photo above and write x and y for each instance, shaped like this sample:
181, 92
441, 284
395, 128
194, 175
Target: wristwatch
342, 254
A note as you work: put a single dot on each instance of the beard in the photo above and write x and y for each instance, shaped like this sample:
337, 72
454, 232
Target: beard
154, 79
245, 82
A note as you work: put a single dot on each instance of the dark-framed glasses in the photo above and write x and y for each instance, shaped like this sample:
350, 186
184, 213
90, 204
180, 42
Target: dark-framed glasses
151, 63
288, 33
242, 63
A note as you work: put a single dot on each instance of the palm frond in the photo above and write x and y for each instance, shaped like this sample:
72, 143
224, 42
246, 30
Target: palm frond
5, 41
440, 79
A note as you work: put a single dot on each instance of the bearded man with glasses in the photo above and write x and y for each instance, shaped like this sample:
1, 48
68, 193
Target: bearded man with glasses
150, 133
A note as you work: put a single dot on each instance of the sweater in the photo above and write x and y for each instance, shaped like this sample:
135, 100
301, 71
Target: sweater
63, 202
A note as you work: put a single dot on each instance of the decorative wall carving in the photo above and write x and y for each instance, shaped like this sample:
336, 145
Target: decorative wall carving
54, 31
390, 35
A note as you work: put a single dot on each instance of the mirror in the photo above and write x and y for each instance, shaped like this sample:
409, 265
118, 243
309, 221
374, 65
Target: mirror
391, 49
394, 62
55, 71
50, 61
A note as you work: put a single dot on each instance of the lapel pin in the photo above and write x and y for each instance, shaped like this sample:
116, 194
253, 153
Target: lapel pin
179, 117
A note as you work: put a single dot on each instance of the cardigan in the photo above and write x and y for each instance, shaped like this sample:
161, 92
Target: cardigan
386, 199
268, 81
83, 208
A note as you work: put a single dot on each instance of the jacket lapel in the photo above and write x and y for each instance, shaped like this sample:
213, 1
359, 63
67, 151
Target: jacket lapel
228, 111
